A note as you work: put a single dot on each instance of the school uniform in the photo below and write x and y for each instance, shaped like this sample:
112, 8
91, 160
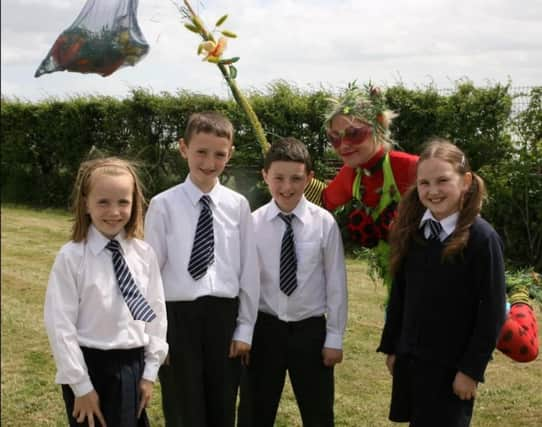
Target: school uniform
443, 317
199, 386
291, 331
95, 340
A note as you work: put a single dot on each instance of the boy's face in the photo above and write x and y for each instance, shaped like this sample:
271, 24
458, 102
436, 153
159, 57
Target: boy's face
207, 156
287, 181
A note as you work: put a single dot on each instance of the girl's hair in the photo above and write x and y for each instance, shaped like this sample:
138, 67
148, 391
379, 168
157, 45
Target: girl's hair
410, 212
112, 166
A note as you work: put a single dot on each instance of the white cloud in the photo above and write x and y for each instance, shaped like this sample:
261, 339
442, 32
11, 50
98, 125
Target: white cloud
301, 41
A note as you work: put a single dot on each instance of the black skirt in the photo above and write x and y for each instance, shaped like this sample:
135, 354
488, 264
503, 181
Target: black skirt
422, 394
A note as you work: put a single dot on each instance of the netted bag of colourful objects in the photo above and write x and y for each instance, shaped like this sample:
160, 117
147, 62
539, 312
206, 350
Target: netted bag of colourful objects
103, 38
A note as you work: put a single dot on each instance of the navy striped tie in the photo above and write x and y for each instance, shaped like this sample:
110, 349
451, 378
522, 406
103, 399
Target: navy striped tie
203, 250
138, 305
435, 228
288, 259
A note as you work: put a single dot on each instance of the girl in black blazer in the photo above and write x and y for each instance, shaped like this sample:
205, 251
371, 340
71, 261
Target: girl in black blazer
447, 303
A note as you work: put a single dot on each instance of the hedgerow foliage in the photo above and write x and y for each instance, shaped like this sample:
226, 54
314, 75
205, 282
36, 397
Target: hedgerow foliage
515, 188
44, 142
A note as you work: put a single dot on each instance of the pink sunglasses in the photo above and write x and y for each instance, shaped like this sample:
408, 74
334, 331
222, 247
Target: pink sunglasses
351, 135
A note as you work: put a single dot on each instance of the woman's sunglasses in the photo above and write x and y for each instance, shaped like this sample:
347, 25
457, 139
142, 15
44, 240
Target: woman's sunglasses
351, 135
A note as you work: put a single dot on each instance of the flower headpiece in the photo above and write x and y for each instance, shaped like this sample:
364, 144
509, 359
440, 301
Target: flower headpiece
366, 103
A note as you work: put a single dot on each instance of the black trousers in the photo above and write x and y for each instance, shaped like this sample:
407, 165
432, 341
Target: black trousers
295, 347
199, 385
115, 375
422, 394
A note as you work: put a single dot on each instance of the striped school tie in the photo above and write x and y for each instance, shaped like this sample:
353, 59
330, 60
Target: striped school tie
203, 250
288, 259
435, 228
138, 305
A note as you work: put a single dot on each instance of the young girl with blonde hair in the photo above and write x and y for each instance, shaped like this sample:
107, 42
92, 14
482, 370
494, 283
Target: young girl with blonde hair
447, 303
104, 306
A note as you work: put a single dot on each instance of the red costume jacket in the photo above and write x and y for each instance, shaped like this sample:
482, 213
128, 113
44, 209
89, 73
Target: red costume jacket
339, 190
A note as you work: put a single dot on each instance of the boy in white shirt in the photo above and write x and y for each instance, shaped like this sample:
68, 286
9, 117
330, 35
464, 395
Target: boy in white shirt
303, 300
203, 236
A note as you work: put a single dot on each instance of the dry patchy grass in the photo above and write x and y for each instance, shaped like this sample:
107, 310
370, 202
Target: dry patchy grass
511, 396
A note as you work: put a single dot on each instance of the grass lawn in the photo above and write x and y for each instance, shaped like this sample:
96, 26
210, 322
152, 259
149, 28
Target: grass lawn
511, 396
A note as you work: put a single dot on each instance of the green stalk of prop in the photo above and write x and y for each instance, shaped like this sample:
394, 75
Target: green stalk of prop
241, 100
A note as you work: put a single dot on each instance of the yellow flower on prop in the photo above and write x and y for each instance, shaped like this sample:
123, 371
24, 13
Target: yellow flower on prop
214, 49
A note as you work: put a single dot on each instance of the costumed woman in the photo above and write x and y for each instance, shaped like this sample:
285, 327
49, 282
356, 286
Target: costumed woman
365, 193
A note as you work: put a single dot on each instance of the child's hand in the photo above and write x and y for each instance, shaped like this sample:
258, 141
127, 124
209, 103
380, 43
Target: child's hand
331, 356
86, 407
239, 349
464, 386
390, 363
145, 387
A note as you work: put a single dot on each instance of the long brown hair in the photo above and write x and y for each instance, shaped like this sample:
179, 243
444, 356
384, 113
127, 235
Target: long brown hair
410, 211
110, 166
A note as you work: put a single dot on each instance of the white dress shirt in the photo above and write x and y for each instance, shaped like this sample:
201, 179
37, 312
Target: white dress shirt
448, 224
170, 226
85, 307
321, 272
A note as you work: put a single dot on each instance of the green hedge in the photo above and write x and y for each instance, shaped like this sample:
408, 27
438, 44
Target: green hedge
44, 142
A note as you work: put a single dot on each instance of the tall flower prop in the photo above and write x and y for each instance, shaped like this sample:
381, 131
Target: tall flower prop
213, 51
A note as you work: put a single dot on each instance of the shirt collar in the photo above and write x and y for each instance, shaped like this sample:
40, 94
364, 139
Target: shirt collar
194, 193
448, 224
301, 211
97, 241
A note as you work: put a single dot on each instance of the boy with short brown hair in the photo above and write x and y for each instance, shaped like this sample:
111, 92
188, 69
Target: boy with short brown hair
203, 235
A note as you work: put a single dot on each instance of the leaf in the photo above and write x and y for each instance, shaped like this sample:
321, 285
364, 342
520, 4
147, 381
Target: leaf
229, 61
221, 20
192, 28
229, 34
233, 72
197, 23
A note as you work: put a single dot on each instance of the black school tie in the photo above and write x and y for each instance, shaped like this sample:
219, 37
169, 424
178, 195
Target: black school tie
138, 305
288, 260
203, 250
435, 228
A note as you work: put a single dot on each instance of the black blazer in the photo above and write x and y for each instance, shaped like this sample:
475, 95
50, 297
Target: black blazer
449, 312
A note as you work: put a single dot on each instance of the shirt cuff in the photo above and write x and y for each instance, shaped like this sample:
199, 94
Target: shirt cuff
150, 372
333, 341
82, 388
243, 333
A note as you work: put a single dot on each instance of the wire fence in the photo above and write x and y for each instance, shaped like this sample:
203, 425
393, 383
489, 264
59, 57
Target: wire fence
521, 96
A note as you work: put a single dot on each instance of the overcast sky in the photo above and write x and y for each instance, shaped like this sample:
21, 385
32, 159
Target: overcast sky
308, 43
